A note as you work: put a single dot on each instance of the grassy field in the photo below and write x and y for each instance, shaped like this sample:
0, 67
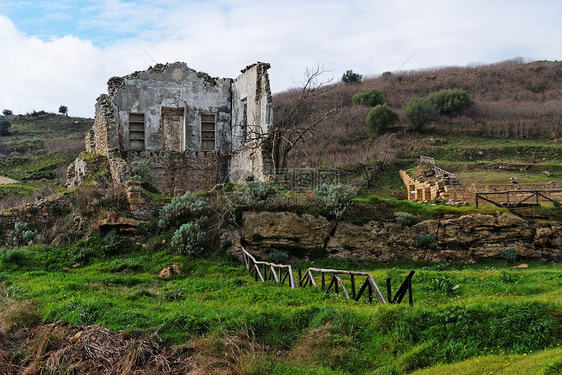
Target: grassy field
303, 330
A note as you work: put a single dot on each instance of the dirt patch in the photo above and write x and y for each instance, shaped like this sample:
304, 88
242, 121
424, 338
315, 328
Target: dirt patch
7, 180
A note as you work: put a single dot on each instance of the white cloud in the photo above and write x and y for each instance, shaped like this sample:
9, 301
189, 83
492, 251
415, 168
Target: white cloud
220, 37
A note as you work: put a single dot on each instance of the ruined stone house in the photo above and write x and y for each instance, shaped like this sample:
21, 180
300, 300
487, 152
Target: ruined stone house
195, 130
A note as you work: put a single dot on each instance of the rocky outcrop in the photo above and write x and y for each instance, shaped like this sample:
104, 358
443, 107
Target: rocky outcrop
284, 230
465, 238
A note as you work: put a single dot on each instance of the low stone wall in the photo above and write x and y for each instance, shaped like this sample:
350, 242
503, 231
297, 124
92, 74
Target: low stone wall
189, 170
464, 239
39, 215
424, 191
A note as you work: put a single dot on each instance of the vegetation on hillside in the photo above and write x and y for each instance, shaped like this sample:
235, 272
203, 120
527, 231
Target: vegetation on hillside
512, 100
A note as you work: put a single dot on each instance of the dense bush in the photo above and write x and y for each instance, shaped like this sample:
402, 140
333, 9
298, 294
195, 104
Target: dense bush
142, 170
190, 238
369, 98
13, 256
449, 102
7, 112
419, 112
404, 219
22, 235
5, 127
181, 209
380, 117
509, 255
252, 194
278, 257
335, 198
350, 77
426, 240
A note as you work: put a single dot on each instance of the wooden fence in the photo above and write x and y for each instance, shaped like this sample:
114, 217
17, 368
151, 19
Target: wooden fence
280, 273
277, 272
517, 198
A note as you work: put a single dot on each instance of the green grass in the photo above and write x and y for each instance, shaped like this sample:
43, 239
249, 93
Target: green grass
33, 167
311, 333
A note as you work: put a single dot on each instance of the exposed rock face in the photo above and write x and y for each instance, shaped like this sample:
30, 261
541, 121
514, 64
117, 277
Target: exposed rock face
464, 238
284, 230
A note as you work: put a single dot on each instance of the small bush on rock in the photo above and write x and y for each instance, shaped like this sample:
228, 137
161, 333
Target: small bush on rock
426, 241
404, 219
181, 209
509, 255
335, 198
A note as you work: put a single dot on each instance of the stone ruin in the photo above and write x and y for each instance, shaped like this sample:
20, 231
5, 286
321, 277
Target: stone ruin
194, 130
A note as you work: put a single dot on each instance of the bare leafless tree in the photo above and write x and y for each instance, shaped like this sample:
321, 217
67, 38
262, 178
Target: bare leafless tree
295, 122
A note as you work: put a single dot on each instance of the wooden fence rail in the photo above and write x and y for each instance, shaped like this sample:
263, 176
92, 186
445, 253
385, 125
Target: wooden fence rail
280, 273
277, 272
510, 202
336, 281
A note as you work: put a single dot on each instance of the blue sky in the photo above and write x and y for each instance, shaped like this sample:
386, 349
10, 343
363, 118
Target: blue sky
63, 52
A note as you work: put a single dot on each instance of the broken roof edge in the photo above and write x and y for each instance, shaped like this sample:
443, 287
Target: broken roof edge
114, 84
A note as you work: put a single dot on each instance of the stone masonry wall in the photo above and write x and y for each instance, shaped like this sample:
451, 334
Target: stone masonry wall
422, 191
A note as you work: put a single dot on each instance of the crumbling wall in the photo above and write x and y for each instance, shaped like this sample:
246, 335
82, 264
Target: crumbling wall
251, 125
172, 87
423, 190
193, 171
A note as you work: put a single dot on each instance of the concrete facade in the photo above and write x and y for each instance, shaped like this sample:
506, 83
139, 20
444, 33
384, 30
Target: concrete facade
196, 130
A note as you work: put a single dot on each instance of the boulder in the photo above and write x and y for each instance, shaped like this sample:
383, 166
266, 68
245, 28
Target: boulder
285, 230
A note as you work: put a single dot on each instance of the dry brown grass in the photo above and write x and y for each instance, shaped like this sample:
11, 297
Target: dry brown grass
60, 349
511, 99
17, 314
64, 145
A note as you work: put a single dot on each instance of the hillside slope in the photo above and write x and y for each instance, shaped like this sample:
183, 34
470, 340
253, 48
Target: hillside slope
512, 99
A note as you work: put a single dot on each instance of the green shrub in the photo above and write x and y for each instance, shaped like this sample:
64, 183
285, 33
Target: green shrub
252, 194
22, 235
449, 102
419, 112
404, 219
509, 255
369, 98
181, 209
278, 257
142, 170
14, 256
114, 244
380, 118
335, 198
190, 238
426, 240
5, 127
350, 77
318, 253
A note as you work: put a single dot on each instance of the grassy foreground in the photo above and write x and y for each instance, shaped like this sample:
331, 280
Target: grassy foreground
465, 316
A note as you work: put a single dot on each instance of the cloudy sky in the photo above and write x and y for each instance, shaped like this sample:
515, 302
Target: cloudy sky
63, 52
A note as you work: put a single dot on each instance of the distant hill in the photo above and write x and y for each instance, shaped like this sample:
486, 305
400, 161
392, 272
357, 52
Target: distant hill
39, 131
512, 99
